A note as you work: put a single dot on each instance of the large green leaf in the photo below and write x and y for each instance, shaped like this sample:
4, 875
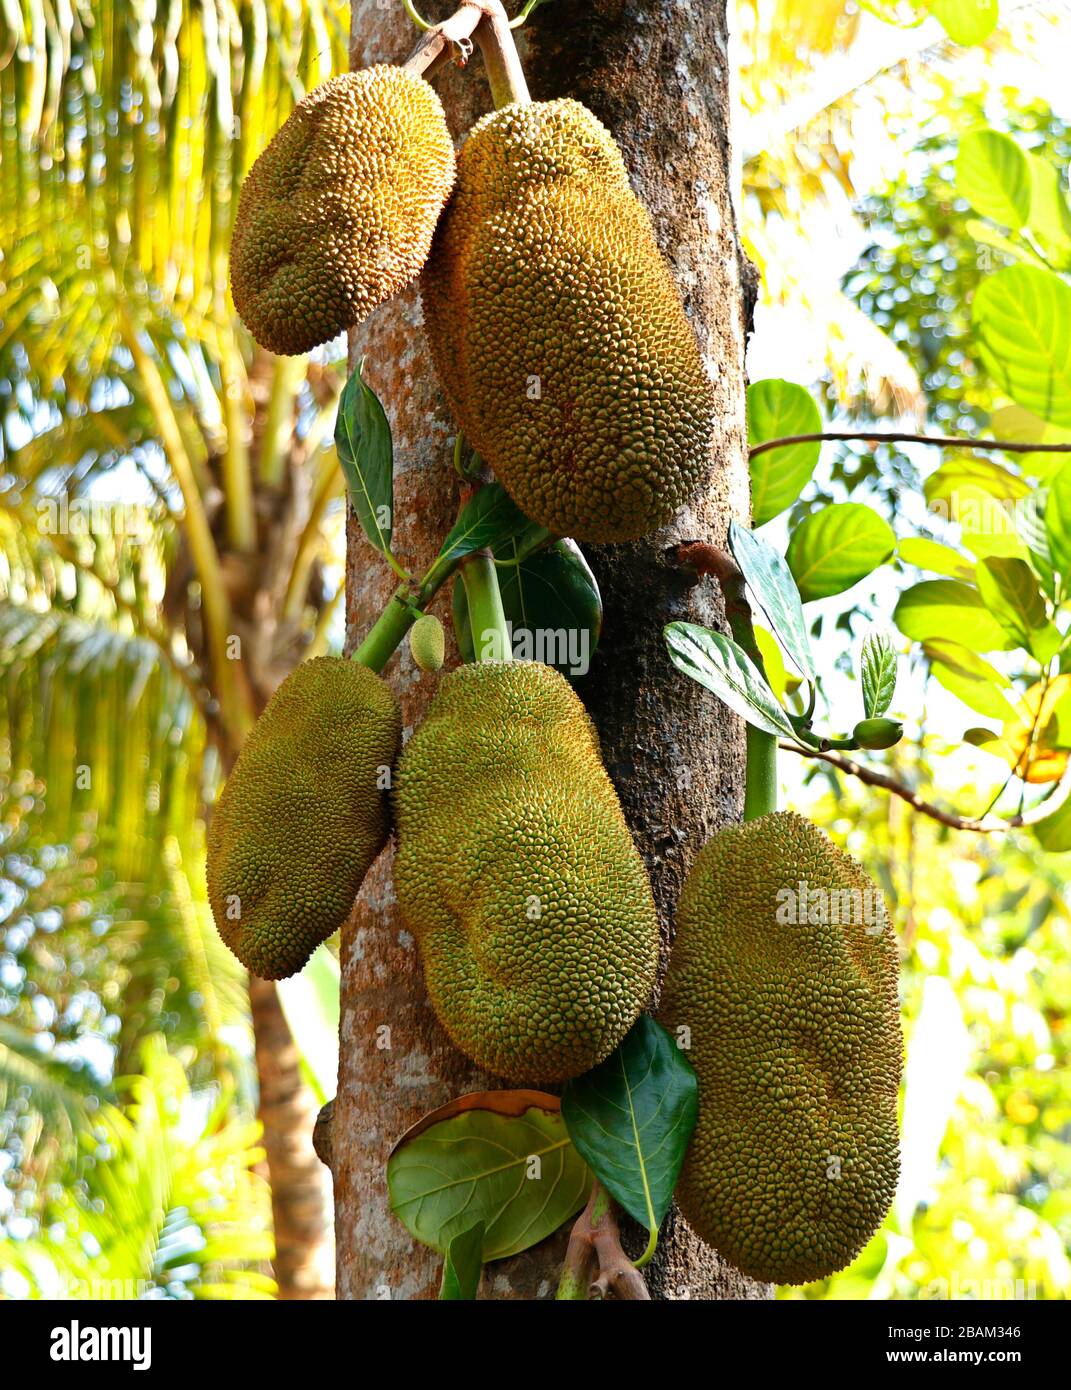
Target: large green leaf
935, 557
993, 175
631, 1118
552, 601
1054, 832
463, 1264
1058, 520
777, 409
1050, 215
774, 590
966, 21
1014, 423
969, 677
366, 455
717, 663
1010, 591
878, 673
1022, 316
501, 1157
836, 547
947, 608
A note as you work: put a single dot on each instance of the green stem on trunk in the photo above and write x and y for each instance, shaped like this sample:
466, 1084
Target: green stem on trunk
487, 619
389, 629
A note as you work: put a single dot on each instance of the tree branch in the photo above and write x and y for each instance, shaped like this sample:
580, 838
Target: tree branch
986, 824
942, 441
595, 1242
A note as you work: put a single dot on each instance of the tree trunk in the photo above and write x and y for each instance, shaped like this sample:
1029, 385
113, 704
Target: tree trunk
656, 72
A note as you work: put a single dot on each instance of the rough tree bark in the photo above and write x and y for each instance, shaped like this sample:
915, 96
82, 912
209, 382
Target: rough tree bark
656, 71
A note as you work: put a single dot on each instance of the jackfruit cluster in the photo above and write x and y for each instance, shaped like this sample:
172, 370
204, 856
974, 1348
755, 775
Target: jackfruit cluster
337, 214
517, 875
784, 970
558, 334
303, 814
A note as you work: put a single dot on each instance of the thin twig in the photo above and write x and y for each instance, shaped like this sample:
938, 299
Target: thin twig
986, 825
941, 441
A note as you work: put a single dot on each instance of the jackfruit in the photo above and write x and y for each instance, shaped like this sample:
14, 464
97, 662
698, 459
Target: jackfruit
337, 214
784, 970
517, 875
427, 642
303, 814
558, 334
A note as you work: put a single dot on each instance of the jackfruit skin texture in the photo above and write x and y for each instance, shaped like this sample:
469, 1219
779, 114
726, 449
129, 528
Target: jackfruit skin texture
301, 817
795, 1038
337, 214
545, 269
503, 810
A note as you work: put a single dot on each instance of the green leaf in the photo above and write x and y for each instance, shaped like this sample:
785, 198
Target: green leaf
631, 1118
1058, 520
488, 519
1022, 316
935, 557
969, 677
366, 456
834, 548
1053, 833
966, 22
993, 175
717, 663
463, 1264
1050, 216
947, 608
878, 673
1010, 591
776, 409
774, 590
1021, 426
552, 601
981, 474
501, 1157
988, 235
772, 661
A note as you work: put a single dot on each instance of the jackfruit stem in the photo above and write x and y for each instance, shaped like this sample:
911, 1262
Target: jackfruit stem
389, 630
486, 22
487, 618
501, 61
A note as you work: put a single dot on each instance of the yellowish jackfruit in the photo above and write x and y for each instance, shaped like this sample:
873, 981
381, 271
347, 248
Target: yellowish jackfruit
517, 874
337, 214
784, 970
303, 814
558, 333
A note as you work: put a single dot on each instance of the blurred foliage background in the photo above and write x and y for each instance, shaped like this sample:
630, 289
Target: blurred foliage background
167, 487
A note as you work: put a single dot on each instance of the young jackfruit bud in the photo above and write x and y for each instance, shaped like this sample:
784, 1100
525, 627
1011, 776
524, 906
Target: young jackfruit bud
337, 214
427, 642
878, 733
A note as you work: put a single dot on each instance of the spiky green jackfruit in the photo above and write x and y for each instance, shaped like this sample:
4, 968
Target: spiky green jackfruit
303, 814
338, 212
517, 874
558, 333
427, 642
784, 970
